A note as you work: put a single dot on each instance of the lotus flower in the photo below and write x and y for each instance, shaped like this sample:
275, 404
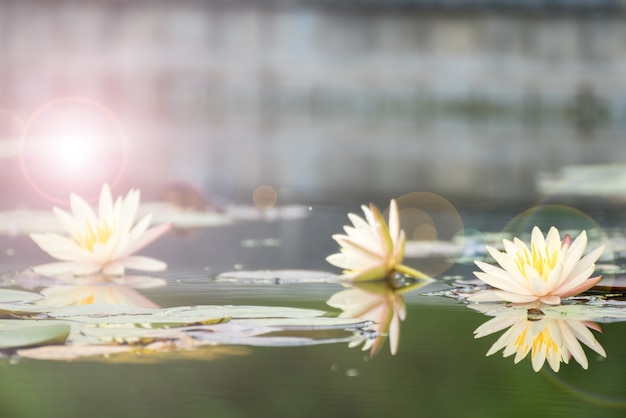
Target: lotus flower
550, 270
542, 334
103, 243
370, 249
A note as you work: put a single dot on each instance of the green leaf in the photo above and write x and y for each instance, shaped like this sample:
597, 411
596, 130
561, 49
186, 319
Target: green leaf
27, 334
18, 296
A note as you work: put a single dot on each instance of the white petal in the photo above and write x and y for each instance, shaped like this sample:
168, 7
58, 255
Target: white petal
352, 261
394, 222
60, 247
537, 240
82, 212
574, 253
142, 263
105, 205
145, 239
495, 325
64, 267
501, 279
582, 333
485, 296
515, 297
572, 344
113, 269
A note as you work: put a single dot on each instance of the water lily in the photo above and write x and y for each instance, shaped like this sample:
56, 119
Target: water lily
103, 243
371, 249
545, 335
550, 270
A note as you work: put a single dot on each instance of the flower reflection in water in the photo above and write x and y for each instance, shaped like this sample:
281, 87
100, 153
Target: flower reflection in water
100, 289
381, 302
548, 333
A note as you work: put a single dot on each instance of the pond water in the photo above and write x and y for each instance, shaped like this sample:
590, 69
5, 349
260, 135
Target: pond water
439, 370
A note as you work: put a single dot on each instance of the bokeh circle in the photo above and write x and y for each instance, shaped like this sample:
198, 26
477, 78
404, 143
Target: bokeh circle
430, 222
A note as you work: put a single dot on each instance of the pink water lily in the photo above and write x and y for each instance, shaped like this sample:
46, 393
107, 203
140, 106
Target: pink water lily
100, 243
551, 269
371, 249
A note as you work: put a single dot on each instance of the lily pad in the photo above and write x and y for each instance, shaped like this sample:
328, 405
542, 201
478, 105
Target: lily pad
28, 334
18, 296
181, 328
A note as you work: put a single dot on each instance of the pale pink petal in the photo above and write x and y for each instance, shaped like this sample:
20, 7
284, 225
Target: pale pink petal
583, 287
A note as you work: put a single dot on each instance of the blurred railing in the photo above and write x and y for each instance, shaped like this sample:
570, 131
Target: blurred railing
324, 98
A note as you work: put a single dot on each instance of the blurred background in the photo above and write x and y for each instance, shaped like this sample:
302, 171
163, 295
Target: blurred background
321, 100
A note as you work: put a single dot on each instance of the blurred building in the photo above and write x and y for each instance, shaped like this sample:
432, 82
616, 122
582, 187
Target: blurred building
329, 99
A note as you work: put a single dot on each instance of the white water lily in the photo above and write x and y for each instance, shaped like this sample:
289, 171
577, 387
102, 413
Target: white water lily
370, 249
103, 243
547, 337
547, 272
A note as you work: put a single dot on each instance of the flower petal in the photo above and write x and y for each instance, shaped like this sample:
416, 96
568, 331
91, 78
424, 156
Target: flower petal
142, 263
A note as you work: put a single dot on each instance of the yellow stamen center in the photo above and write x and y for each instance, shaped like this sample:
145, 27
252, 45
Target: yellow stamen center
94, 234
542, 261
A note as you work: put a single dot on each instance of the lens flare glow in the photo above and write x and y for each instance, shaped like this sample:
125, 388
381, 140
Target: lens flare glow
72, 145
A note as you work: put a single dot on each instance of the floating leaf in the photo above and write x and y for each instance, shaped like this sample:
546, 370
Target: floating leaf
29, 334
18, 296
178, 328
